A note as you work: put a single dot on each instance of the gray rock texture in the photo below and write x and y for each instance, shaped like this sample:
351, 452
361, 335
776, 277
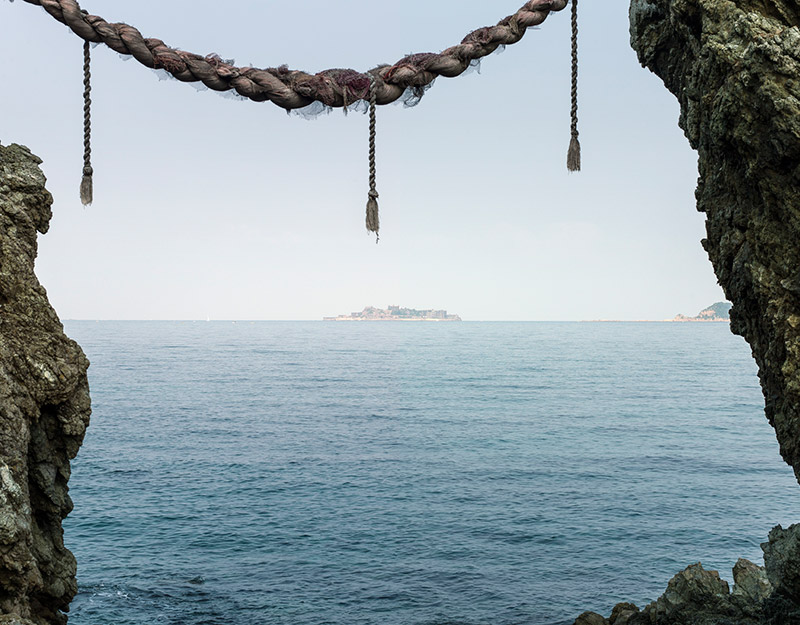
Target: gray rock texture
750, 582
590, 618
44, 410
690, 591
623, 613
782, 564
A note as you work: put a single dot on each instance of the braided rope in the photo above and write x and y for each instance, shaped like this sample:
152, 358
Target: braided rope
87, 191
574, 153
293, 89
373, 217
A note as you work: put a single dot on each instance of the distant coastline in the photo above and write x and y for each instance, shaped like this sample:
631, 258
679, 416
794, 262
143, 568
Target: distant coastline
721, 311
395, 313
716, 313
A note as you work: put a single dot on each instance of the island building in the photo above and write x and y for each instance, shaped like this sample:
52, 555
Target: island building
395, 313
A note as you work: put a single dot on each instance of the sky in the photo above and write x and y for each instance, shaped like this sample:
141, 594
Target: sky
210, 207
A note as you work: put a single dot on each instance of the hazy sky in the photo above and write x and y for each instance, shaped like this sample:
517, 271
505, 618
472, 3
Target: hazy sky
208, 206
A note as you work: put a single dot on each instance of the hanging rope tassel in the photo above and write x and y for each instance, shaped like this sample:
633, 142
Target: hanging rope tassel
87, 191
373, 217
574, 154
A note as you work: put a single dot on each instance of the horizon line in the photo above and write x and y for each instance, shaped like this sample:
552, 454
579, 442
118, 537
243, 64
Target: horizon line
186, 320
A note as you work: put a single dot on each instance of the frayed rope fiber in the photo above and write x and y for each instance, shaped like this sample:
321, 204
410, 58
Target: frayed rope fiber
574, 155
87, 189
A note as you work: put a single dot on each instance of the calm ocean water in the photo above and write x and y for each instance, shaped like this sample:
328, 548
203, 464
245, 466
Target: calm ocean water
307, 473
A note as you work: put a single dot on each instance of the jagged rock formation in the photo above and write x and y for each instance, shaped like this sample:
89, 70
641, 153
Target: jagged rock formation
761, 595
44, 410
735, 69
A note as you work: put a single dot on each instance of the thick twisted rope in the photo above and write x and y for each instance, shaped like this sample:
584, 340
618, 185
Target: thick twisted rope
574, 153
293, 89
87, 191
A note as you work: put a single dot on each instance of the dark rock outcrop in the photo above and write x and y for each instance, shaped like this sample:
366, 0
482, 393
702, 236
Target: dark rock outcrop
782, 564
44, 410
590, 618
765, 595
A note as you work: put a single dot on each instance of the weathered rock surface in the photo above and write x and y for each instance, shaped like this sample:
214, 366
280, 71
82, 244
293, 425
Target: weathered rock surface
623, 613
751, 585
689, 592
44, 410
590, 618
782, 564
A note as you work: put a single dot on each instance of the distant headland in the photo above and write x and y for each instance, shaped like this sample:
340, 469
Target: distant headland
721, 311
716, 312
395, 313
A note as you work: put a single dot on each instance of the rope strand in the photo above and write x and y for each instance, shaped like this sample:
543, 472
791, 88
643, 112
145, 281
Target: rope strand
373, 217
87, 191
574, 153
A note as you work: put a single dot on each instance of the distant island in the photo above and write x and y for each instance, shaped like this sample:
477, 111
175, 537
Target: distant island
716, 312
395, 313
721, 311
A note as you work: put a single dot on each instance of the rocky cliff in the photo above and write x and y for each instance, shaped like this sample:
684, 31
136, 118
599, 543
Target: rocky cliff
735, 68
44, 410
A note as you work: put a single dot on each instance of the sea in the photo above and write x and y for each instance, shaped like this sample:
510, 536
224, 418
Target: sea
379, 473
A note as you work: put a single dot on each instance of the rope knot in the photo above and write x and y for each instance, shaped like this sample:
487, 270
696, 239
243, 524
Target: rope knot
88, 171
